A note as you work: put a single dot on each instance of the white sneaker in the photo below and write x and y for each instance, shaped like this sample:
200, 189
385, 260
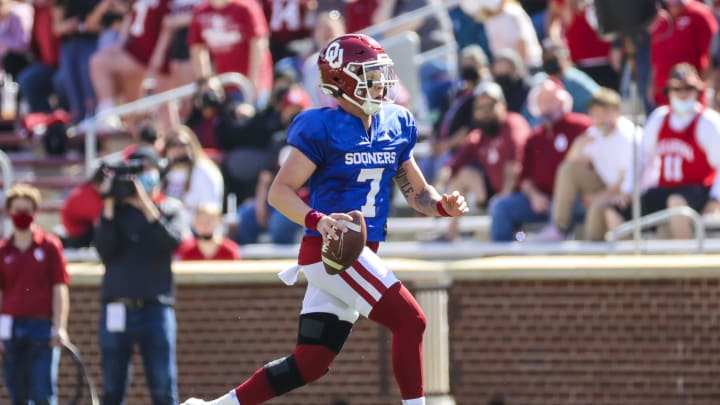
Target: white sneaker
550, 233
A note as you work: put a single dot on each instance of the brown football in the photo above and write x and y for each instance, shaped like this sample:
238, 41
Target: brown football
339, 254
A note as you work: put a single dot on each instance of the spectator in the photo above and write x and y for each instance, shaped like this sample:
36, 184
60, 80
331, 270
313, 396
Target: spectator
42, 78
16, 23
359, 14
509, 72
232, 36
594, 169
328, 26
545, 149
508, 26
35, 303
247, 137
558, 66
454, 124
488, 164
127, 62
290, 23
468, 30
191, 176
81, 210
683, 34
208, 242
136, 238
683, 139
169, 65
77, 24
588, 51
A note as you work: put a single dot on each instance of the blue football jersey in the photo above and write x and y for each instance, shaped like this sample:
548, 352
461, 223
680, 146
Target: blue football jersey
355, 169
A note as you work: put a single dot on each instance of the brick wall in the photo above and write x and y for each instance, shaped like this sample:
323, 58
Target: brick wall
586, 342
534, 342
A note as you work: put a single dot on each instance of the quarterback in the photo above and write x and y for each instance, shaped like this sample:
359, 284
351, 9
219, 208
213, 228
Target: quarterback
349, 156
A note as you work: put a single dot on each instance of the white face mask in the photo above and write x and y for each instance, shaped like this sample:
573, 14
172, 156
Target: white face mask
682, 106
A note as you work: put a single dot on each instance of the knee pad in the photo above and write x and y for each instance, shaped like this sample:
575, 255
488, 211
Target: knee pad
323, 329
283, 375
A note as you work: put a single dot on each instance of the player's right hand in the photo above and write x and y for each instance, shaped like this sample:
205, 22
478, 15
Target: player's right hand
328, 222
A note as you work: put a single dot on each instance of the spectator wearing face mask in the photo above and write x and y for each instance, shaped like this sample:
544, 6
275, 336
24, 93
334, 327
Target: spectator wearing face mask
488, 163
544, 151
509, 72
138, 232
454, 123
35, 303
558, 66
208, 242
191, 176
683, 139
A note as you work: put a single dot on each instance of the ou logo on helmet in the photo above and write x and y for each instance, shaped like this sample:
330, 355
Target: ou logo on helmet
334, 55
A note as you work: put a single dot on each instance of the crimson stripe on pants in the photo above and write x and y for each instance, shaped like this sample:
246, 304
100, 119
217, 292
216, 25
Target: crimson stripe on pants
358, 288
369, 277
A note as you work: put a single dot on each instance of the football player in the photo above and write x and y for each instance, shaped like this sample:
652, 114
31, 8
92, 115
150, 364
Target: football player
349, 156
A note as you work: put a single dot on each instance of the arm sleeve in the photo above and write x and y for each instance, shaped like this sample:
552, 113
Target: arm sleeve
411, 132
167, 232
107, 238
58, 265
310, 139
527, 158
708, 137
464, 154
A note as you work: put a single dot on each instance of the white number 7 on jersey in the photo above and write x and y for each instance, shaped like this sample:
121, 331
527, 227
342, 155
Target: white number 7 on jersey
374, 175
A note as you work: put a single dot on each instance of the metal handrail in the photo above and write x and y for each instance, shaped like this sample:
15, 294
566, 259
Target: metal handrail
145, 103
422, 12
657, 218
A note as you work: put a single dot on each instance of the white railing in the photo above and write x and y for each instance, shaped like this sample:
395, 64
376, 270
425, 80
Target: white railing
658, 218
7, 171
155, 100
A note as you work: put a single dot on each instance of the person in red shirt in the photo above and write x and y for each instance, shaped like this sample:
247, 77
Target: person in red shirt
544, 151
682, 34
128, 62
208, 244
588, 51
232, 36
290, 23
35, 303
488, 163
81, 210
358, 14
684, 137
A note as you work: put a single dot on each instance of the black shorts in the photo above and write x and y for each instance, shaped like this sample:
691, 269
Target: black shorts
655, 199
179, 49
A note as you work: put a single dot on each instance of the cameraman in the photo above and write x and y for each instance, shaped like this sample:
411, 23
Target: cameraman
137, 234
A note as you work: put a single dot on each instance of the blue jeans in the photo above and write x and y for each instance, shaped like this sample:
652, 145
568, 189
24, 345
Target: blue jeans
31, 364
281, 229
154, 329
75, 56
508, 213
37, 82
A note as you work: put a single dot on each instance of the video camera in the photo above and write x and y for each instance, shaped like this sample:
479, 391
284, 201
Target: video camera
124, 173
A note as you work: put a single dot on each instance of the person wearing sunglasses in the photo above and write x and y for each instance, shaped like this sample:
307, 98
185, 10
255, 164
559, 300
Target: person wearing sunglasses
682, 140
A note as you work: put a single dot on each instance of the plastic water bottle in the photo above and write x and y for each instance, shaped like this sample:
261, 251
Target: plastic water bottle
8, 104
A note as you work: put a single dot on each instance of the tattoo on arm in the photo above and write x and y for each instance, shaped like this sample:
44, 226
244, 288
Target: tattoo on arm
424, 202
401, 179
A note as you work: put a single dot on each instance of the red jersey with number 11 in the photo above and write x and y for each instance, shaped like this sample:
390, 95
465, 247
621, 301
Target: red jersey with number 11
683, 161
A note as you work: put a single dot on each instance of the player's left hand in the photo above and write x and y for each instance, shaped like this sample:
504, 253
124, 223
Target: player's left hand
454, 204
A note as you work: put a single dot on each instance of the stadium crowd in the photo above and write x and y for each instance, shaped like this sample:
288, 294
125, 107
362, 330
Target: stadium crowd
526, 117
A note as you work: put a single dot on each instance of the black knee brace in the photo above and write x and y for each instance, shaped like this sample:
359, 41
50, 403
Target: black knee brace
283, 375
323, 329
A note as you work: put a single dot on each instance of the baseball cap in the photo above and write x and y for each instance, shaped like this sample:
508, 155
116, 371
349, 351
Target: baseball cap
146, 153
489, 89
296, 96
